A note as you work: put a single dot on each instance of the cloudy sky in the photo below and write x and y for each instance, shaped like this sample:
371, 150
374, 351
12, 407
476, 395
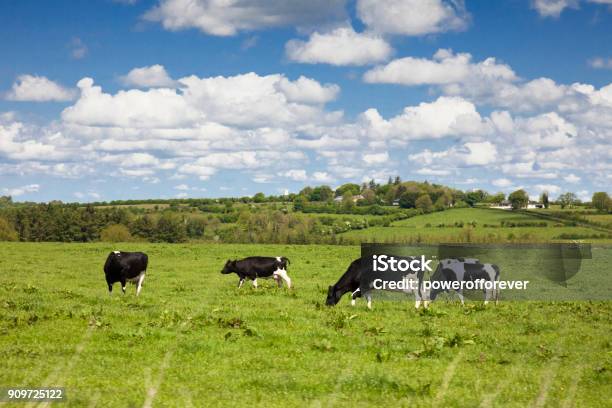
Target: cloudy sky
119, 99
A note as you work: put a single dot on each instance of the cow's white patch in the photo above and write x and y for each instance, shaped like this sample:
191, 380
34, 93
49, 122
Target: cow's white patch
240, 283
353, 302
117, 252
417, 304
283, 274
278, 258
255, 282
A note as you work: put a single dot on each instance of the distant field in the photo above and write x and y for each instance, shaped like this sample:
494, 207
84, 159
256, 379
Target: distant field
426, 228
193, 339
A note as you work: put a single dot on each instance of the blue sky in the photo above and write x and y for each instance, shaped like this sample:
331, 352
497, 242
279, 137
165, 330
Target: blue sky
103, 100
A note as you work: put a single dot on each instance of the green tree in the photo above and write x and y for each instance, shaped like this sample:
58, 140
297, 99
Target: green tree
347, 202
299, 203
348, 187
567, 200
497, 198
544, 199
369, 196
424, 203
408, 199
259, 198
115, 233
7, 232
171, 228
601, 201
518, 199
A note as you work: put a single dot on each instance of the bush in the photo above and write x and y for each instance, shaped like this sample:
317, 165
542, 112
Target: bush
115, 233
171, 228
7, 232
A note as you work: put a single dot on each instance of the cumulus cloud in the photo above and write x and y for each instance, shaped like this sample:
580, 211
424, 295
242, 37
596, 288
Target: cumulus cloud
572, 178
295, 174
446, 67
446, 116
154, 76
554, 8
502, 182
226, 18
413, 17
342, 46
33, 88
17, 191
307, 90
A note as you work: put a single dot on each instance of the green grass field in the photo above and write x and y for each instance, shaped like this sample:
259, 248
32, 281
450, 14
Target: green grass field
194, 339
427, 228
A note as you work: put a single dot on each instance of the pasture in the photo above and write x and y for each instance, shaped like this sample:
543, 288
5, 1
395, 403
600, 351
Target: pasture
194, 339
479, 225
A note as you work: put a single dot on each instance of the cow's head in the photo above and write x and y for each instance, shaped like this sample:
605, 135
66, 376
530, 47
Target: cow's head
230, 266
333, 296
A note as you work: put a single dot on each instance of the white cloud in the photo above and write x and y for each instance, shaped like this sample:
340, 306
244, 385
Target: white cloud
446, 116
466, 155
225, 18
322, 177
549, 188
433, 172
295, 174
413, 17
502, 182
554, 8
154, 76
307, 90
445, 68
342, 46
601, 63
78, 49
18, 191
372, 159
154, 108
572, 178
182, 187
33, 88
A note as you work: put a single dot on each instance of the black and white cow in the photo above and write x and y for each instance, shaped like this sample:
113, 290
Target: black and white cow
359, 279
125, 267
464, 270
255, 267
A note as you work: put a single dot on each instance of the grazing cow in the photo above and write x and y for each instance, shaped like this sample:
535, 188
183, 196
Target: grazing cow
360, 276
464, 270
255, 267
125, 266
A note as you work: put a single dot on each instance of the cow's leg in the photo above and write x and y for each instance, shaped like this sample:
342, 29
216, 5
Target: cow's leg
460, 294
255, 283
140, 280
496, 296
278, 280
368, 297
283, 274
123, 283
110, 288
240, 283
354, 296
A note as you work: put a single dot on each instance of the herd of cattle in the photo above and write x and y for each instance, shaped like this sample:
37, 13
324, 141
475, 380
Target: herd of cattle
131, 267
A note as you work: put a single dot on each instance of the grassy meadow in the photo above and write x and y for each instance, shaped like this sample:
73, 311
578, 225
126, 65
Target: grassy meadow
480, 225
194, 339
